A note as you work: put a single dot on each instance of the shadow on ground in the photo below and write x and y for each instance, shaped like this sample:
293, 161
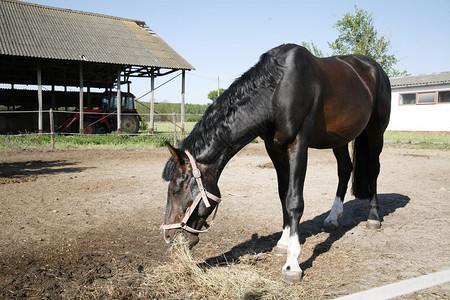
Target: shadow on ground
355, 212
21, 170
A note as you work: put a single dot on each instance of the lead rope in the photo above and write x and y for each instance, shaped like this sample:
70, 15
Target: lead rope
202, 195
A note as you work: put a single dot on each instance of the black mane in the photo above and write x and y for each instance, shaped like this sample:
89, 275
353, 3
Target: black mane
216, 125
219, 118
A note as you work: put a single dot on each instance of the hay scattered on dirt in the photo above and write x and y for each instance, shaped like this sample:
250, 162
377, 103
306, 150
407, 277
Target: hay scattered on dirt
184, 277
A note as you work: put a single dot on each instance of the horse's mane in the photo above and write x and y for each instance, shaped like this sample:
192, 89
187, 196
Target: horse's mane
256, 84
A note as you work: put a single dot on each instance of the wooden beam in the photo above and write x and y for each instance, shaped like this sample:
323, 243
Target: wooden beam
119, 101
39, 83
81, 104
152, 103
183, 90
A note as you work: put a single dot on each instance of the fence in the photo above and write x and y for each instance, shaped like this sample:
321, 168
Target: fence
67, 123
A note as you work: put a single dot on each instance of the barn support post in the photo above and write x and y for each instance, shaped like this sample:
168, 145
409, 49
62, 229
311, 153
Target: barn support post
119, 101
174, 120
53, 96
52, 126
183, 89
39, 83
152, 102
81, 104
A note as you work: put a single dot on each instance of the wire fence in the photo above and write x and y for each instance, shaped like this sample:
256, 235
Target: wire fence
62, 122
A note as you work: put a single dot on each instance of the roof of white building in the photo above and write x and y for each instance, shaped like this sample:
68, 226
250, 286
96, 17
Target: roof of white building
421, 80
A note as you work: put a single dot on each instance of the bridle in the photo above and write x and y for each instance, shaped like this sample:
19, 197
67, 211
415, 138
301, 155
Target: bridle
203, 195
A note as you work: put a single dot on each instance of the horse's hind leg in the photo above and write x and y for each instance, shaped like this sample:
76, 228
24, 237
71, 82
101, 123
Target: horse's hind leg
368, 148
375, 146
345, 167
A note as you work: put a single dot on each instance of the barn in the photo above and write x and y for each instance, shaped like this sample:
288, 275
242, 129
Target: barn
421, 103
53, 58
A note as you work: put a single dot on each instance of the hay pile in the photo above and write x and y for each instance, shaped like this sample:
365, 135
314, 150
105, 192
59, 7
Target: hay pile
183, 278
251, 276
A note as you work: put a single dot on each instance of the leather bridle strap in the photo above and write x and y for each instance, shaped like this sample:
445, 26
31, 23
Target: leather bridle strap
202, 195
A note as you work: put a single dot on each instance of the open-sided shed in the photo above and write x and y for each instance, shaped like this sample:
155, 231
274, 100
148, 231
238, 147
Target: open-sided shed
49, 46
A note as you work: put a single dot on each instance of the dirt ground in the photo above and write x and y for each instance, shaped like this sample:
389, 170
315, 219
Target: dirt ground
74, 220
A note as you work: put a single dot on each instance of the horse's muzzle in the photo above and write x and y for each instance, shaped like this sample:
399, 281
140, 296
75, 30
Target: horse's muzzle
169, 236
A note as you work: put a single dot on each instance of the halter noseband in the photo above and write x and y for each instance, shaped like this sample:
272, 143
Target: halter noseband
202, 195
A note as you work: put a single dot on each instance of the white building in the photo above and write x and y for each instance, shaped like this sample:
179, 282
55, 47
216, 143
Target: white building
421, 103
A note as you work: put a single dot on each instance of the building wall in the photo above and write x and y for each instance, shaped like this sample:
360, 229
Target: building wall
419, 117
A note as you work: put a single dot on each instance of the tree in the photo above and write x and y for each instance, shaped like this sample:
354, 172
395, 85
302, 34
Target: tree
313, 49
358, 35
213, 94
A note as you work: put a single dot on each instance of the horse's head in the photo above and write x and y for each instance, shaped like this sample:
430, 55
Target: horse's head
191, 187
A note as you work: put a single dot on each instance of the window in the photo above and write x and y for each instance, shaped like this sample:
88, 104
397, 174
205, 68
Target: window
444, 97
431, 97
426, 98
127, 102
407, 99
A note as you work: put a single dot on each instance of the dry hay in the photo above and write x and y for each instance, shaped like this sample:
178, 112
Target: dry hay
184, 277
252, 276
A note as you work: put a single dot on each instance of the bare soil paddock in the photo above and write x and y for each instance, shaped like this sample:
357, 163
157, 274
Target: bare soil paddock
85, 223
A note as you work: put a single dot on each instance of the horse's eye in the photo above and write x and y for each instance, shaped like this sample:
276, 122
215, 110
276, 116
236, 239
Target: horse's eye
176, 190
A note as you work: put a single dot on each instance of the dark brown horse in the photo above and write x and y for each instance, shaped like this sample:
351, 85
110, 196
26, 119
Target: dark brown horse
293, 101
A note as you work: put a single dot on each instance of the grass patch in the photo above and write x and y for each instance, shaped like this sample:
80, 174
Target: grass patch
169, 127
32, 141
414, 140
418, 140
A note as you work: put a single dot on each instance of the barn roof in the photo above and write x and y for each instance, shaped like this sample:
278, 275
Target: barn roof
421, 80
37, 31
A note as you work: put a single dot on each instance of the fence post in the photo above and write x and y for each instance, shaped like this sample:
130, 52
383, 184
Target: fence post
52, 126
174, 116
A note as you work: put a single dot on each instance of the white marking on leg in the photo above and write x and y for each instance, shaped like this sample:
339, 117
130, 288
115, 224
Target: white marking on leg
336, 212
284, 240
293, 252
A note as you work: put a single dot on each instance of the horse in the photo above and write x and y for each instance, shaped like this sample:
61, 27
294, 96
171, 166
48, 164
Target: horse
292, 100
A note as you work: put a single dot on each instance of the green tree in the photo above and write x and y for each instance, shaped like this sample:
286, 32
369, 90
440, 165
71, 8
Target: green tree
358, 35
313, 49
213, 94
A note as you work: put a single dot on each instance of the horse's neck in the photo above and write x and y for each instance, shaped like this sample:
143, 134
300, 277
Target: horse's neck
231, 135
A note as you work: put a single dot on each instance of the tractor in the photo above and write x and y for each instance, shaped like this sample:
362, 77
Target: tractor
104, 119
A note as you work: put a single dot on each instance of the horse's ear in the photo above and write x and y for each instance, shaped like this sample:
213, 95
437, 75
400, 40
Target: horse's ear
177, 154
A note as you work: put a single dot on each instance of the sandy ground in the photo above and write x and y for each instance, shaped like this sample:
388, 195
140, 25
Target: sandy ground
72, 220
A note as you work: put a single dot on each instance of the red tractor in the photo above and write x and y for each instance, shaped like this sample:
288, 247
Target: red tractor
104, 119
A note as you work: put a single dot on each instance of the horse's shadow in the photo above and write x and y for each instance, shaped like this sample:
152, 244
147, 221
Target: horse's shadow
355, 212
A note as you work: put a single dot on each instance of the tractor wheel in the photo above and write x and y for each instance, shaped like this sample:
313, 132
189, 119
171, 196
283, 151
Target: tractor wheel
129, 124
89, 129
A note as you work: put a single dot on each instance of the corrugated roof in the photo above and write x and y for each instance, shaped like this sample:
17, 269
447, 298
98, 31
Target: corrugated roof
421, 80
31, 30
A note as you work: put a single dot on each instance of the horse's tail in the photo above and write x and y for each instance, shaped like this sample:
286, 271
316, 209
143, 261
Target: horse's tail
361, 185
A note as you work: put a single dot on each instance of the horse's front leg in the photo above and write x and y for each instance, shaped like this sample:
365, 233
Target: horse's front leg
280, 161
292, 272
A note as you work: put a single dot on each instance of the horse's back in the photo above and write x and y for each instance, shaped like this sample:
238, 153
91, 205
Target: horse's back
341, 91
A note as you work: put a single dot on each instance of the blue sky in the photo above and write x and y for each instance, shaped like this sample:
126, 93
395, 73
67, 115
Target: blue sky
225, 38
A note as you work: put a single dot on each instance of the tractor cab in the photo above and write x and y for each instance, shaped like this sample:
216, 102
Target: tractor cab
109, 102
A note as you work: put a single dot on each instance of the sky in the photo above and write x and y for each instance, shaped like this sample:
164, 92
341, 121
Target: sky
223, 39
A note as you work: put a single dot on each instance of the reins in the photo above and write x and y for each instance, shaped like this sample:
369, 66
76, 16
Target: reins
203, 195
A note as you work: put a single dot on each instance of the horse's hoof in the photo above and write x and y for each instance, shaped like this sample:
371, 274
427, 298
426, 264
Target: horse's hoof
373, 224
280, 249
327, 227
291, 277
